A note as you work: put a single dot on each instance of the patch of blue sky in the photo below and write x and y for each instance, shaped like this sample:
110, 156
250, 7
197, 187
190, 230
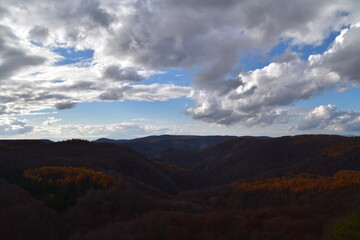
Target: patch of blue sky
70, 55
37, 117
254, 59
57, 81
348, 100
307, 50
43, 111
93, 113
280, 48
35, 73
36, 43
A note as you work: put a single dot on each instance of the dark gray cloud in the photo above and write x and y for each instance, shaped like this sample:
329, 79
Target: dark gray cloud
117, 73
162, 35
2, 109
344, 58
42, 96
84, 13
13, 59
92, 9
79, 86
213, 34
112, 95
39, 34
287, 56
203, 4
64, 105
3, 12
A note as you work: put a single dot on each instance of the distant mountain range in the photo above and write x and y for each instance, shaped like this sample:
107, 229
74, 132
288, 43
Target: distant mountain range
152, 145
229, 158
253, 158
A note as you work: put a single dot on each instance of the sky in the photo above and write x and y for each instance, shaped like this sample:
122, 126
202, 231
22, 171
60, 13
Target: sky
125, 68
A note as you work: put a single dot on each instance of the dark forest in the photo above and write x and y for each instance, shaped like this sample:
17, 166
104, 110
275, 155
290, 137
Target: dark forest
181, 187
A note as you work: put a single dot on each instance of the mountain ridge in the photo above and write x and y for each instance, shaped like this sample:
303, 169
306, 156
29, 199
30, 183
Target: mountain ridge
152, 145
257, 188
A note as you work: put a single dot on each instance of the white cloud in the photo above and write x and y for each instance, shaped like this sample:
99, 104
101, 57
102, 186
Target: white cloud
133, 39
50, 121
282, 83
116, 130
11, 126
60, 87
329, 117
344, 56
141, 119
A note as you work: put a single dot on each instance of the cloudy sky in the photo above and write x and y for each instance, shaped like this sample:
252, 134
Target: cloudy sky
127, 68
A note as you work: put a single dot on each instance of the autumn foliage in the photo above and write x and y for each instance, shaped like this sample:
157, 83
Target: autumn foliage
288, 188
59, 187
65, 176
303, 182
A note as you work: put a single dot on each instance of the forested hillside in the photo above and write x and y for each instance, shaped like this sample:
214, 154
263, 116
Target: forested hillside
302, 187
158, 146
252, 158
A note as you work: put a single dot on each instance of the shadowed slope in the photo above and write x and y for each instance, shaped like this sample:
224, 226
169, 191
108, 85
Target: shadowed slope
15, 158
251, 158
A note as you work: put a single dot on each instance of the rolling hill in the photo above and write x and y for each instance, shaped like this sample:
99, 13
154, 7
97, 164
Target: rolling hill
154, 145
258, 188
252, 158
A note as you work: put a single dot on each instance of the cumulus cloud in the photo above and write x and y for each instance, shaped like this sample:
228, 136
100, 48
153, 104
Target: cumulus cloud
213, 34
13, 58
190, 37
222, 111
281, 83
206, 35
11, 126
344, 56
329, 117
260, 92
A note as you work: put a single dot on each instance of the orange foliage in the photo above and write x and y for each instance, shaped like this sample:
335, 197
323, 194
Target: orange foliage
69, 175
303, 182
